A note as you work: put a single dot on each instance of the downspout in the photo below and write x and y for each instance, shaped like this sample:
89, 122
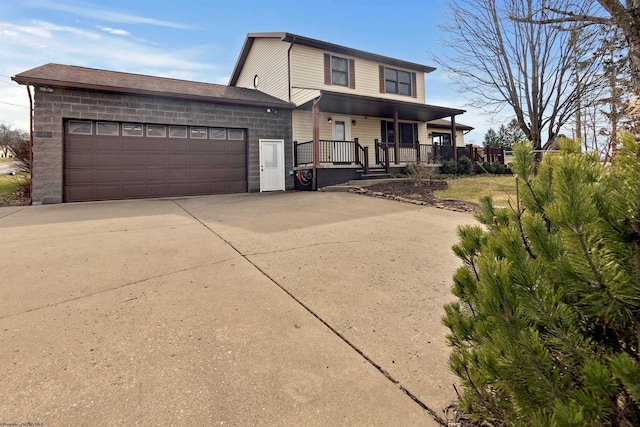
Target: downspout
30, 144
289, 64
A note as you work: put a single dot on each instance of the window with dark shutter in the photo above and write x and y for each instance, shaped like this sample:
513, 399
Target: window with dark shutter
397, 81
339, 71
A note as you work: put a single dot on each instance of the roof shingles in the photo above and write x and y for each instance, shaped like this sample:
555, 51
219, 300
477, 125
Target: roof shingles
69, 76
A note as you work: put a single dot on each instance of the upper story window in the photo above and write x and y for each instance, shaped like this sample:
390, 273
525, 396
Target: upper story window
397, 81
339, 71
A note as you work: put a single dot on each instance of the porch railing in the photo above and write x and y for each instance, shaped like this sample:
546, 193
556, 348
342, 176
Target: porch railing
334, 152
353, 153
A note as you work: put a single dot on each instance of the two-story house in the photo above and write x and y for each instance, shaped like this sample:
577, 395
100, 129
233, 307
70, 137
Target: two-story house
294, 107
355, 111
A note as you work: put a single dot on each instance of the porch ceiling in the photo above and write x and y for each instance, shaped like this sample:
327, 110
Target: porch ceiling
341, 103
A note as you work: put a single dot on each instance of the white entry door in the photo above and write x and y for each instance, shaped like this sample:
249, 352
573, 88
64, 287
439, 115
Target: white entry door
271, 165
342, 151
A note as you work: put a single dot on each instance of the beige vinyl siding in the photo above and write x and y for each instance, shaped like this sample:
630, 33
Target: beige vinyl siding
302, 96
267, 59
307, 71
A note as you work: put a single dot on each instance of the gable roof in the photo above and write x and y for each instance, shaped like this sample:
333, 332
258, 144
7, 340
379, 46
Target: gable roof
446, 124
70, 76
318, 44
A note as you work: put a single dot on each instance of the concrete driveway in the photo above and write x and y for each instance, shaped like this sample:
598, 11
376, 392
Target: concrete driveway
251, 309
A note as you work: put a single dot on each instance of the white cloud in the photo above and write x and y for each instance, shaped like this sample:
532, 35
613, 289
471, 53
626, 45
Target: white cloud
32, 44
114, 31
111, 15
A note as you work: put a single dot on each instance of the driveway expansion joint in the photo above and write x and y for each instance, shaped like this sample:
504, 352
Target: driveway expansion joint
379, 368
125, 285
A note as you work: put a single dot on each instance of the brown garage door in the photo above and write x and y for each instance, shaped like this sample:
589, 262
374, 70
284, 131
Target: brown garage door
107, 160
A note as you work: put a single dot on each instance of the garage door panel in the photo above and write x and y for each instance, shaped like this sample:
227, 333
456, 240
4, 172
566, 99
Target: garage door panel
238, 174
79, 177
179, 160
237, 186
219, 174
78, 160
134, 191
217, 161
156, 175
199, 160
236, 160
79, 193
198, 146
103, 167
108, 192
108, 176
80, 144
178, 189
179, 174
157, 190
133, 145
199, 187
219, 146
157, 159
235, 147
139, 160
157, 145
107, 160
133, 176
109, 145
197, 174
178, 146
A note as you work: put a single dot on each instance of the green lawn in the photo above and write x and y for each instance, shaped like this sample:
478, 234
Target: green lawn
10, 183
472, 188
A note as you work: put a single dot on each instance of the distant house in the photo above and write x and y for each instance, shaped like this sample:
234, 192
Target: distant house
292, 103
6, 152
355, 111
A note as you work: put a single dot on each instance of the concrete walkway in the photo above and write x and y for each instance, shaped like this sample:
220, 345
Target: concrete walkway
252, 309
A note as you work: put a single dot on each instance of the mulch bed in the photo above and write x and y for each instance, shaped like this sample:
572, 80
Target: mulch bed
418, 193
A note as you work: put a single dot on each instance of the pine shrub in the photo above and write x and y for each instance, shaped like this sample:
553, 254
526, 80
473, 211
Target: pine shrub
546, 328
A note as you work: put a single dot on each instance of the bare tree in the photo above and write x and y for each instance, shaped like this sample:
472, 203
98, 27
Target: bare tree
15, 141
623, 17
7, 136
526, 65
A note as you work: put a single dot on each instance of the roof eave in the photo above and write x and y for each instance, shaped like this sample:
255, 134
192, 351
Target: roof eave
21, 79
318, 44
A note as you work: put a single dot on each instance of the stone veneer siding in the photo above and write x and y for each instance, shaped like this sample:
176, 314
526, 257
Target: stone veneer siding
52, 109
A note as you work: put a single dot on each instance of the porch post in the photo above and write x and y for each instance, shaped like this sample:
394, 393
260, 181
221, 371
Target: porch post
453, 138
396, 136
315, 112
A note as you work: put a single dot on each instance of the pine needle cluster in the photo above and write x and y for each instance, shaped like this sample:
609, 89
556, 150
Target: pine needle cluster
546, 328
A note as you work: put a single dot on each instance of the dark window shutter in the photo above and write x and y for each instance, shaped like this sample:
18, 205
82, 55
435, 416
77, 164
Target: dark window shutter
327, 69
414, 89
352, 74
382, 79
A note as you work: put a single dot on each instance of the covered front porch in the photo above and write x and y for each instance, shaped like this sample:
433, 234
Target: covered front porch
368, 134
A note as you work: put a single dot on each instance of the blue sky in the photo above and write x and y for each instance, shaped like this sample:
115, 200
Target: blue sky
200, 40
